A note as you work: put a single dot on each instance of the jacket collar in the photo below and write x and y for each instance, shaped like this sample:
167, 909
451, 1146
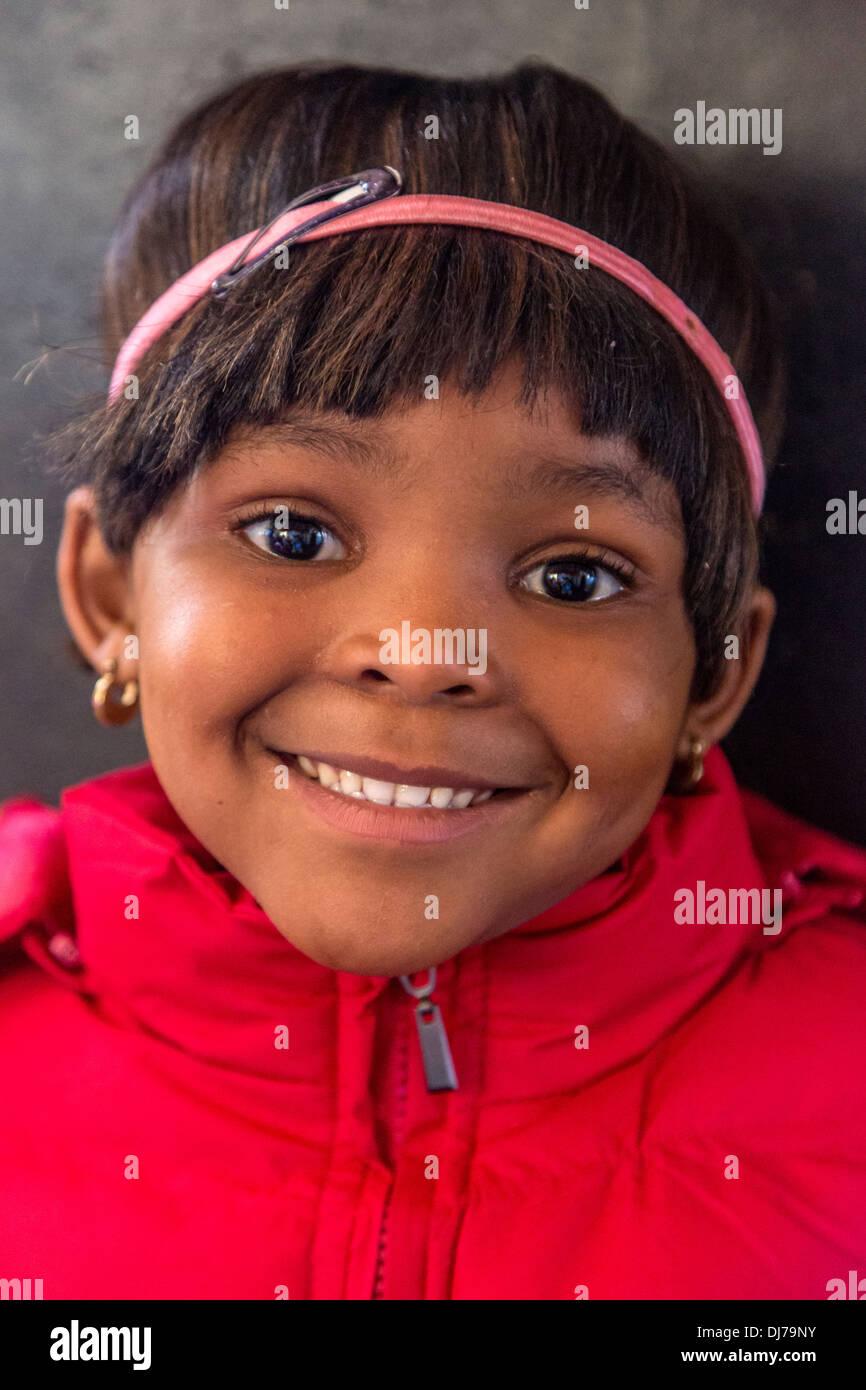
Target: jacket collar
171, 945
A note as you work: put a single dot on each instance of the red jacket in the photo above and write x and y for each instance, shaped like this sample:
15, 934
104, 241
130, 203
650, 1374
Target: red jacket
709, 1141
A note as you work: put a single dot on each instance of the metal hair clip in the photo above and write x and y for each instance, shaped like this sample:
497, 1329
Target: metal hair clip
353, 191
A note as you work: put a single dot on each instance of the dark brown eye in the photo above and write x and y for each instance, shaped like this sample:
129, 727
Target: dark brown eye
291, 536
573, 579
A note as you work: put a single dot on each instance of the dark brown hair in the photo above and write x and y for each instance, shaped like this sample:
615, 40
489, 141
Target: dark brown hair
363, 318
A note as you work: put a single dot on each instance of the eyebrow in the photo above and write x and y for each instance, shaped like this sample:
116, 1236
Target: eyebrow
551, 476
331, 441
554, 476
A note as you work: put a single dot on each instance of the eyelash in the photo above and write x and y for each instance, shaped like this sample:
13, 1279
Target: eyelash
624, 572
267, 514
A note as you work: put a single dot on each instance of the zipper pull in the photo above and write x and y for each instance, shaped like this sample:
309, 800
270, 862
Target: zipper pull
439, 1070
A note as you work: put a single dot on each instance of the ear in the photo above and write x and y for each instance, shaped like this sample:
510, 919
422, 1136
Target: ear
94, 586
711, 719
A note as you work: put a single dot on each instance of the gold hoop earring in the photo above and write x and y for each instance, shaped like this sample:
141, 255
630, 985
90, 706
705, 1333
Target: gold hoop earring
695, 769
108, 710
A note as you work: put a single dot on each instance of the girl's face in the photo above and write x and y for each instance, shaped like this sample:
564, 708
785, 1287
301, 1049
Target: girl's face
264, 597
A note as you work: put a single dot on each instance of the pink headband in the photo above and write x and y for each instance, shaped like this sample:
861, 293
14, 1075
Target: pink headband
359, 203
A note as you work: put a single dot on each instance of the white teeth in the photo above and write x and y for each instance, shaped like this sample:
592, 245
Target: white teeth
462, 798
441, 796
383, 792
411, 796
389, 793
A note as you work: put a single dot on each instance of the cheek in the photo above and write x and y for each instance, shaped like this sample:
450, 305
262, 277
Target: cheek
208, 652
619, 699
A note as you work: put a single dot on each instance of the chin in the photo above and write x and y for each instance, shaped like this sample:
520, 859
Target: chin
368, 953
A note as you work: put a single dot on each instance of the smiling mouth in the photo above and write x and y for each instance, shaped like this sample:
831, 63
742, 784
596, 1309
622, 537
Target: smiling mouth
355, 784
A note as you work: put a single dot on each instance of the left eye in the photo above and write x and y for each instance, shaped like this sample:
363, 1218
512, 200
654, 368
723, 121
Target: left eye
292, 536
573, 580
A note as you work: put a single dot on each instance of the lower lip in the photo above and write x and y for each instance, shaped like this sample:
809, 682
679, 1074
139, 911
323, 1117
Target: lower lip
411, 825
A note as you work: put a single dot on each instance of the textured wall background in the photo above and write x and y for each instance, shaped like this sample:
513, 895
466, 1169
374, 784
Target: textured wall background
72, 72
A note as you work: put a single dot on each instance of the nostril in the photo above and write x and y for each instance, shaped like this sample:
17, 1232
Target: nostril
371, 672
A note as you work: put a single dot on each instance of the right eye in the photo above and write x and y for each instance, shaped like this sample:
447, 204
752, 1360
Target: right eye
290, 535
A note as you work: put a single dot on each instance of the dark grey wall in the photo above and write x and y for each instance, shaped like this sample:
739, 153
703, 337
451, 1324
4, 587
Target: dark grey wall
71, 72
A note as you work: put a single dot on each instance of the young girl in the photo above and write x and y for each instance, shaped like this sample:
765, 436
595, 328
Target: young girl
435, 953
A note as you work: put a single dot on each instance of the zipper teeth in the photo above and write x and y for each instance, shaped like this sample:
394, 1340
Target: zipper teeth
401, 1093
380, 1254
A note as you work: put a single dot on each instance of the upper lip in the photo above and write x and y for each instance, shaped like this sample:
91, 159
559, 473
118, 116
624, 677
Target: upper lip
426, 775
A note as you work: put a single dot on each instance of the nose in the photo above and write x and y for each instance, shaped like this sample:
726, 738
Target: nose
419, 665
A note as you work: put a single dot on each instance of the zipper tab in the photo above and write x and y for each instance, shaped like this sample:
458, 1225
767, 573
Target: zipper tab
439, 1070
